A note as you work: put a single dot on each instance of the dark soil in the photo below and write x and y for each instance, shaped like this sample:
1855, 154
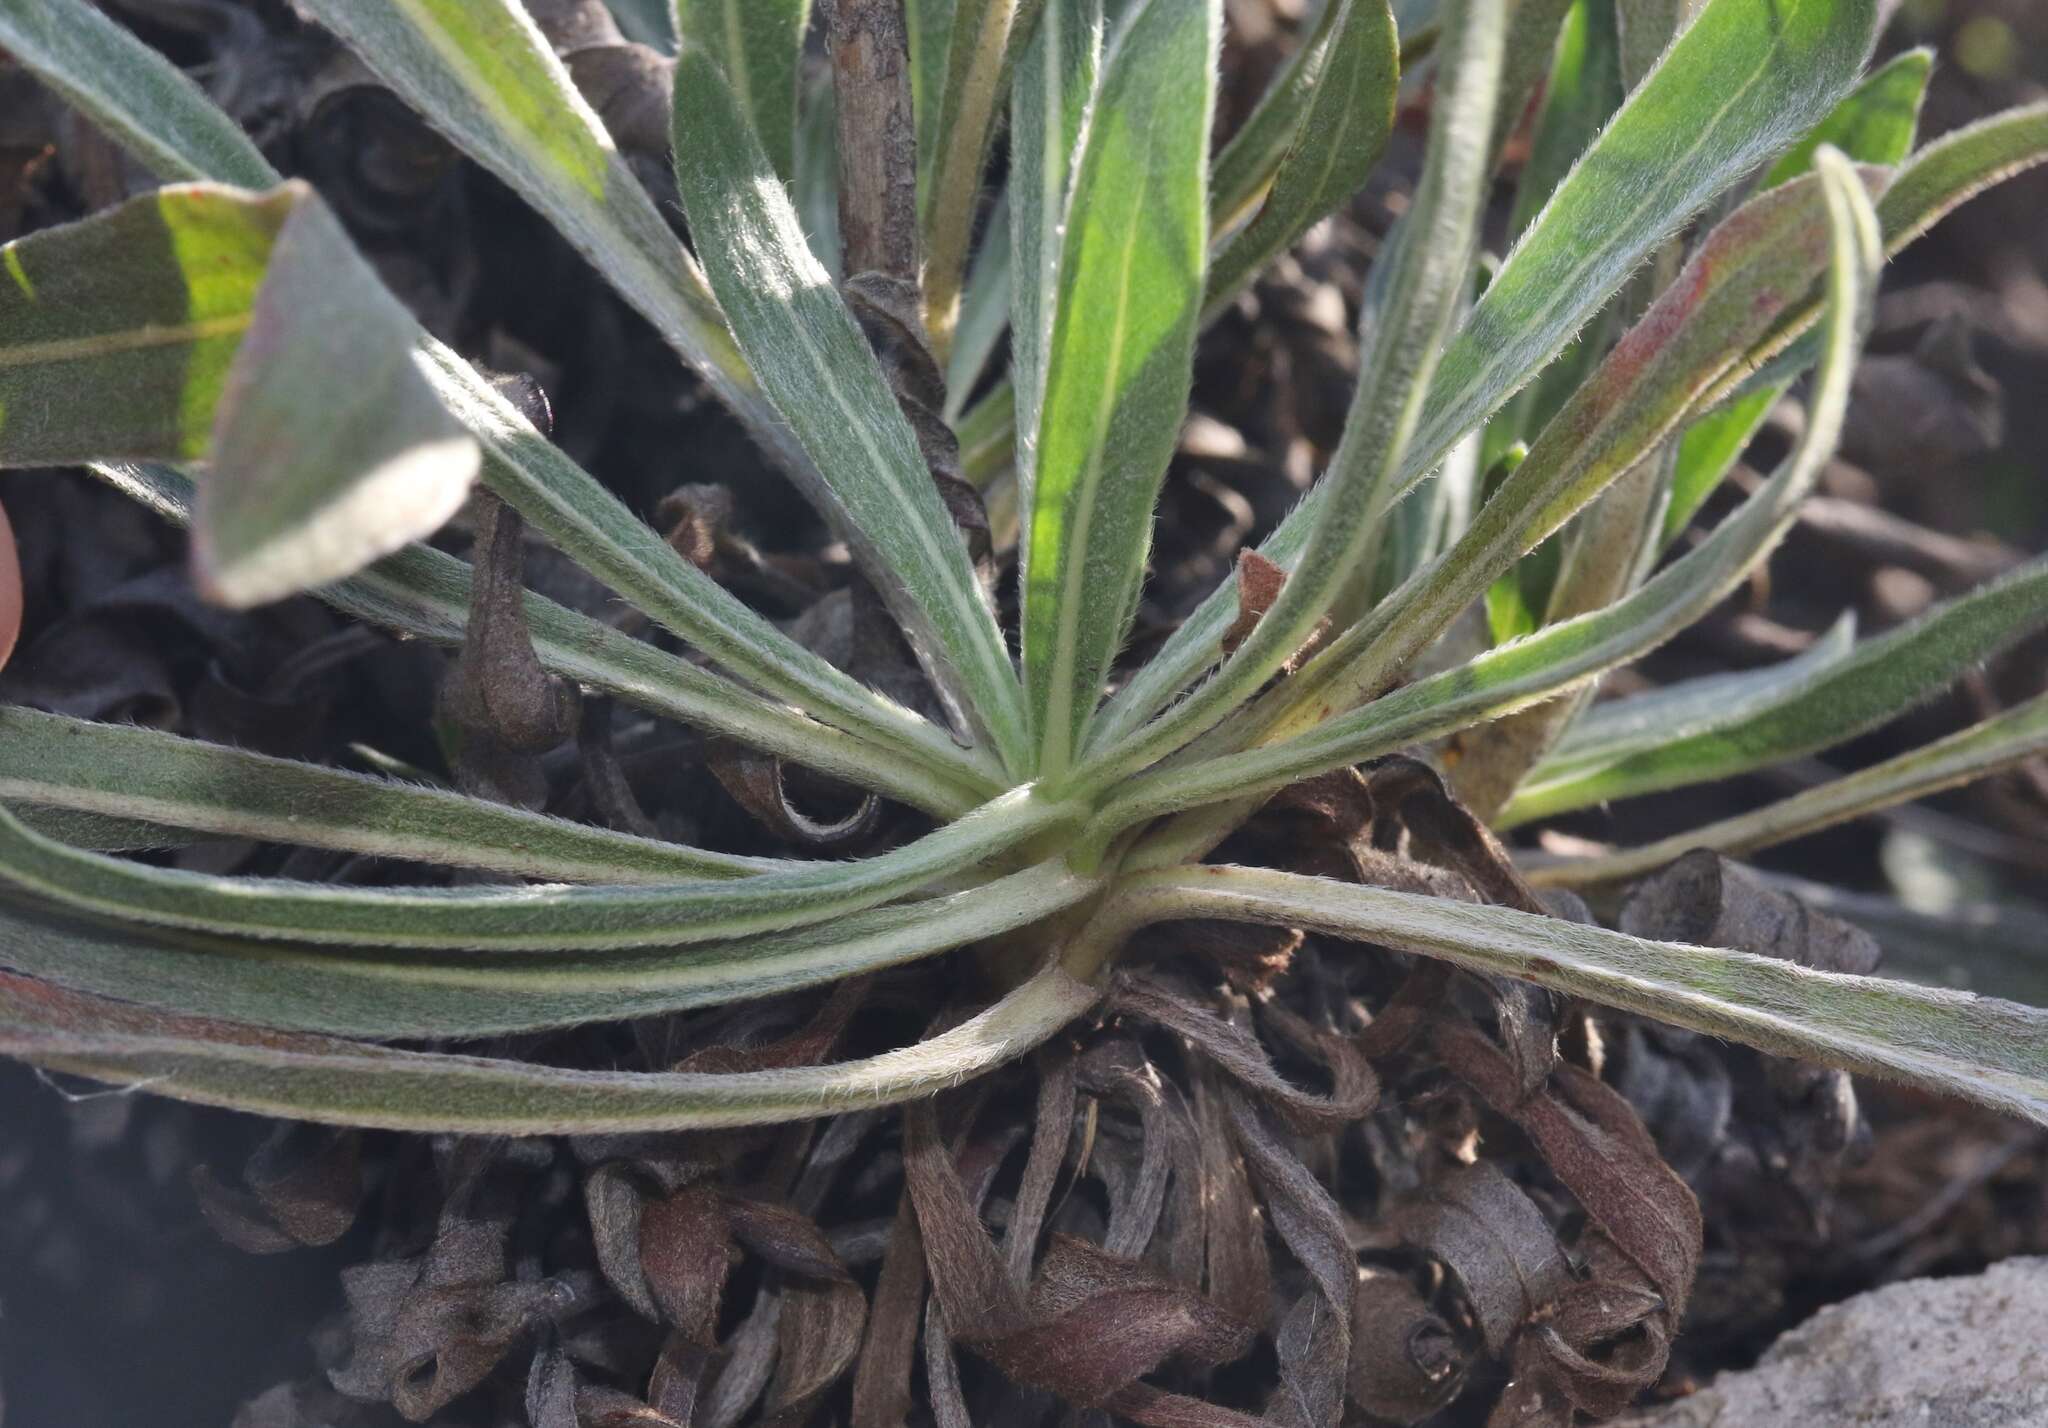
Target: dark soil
119, 1301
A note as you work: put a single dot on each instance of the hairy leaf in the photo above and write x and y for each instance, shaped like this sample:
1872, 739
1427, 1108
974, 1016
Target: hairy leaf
984, 38
125, 771
420, 591
1744, 82
90, 60
1984, 1050
1349, 80
1756, 264
1560, 657
824, 381
1426, 279
1985, 748
1874, 125
354, 992
1616, 728
481, 72
1054, 85
538, 917
1878, 681
348, 1083
1122, 345
758, 43
217, 316
554, 495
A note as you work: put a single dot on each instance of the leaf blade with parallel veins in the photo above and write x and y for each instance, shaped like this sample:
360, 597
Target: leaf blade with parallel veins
218, 316
825, 383
1120, 358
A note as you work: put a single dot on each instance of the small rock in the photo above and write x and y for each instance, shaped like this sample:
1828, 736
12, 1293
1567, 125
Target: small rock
1929, 1353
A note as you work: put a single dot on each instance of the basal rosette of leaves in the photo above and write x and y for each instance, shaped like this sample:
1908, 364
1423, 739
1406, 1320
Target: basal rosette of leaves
1698, 232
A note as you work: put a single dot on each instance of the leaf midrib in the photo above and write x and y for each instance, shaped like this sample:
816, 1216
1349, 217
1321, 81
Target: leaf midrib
1073, 553
128, 339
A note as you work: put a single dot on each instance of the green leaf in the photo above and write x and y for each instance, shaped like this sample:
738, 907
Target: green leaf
1620, 727
823, 379
986, 35
1562, 656
1936, 181
482, 74
181, 136
1350, 81
536, 918
348, 1083
128, 772
1988, 1051
1120, 358
1998, 743
1880, 680
759, 44
1743, 83
563, 502
1244, 168
1874, 125
1049, 98
930, 27
984, 313
1583, 92
1709, 450
355, 992
199, 321
1755, 265
1425, 279
421, 592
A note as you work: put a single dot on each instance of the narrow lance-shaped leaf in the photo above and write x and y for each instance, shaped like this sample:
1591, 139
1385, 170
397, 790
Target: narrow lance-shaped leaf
1880, 680
1120, 358
354, 992
1937, 180
1613, 544
824, 381
1616, 728
1244, 168
1998, 743
1340, 136
1744, 82
1562, 656
144, 105
1582, 93
759, 44
199, 321
184, 137
1054, 84
422, 592
1755, 265
1402, 334
126, 771
481, 73
929, 26
1874, 125
984, 313
985, 38
538, 918
1985, 1050
348, 1083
